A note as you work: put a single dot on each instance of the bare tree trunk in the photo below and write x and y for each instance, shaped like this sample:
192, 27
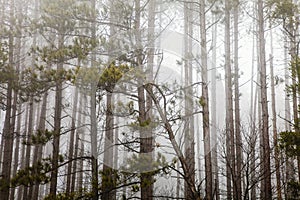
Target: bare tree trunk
205, 105
93, 116
81, 139
21, 188
57, 126
93, 119
215, 170
147, 140
189, 142
253, 133
28, 145
264, 105
289, 175
37, 157
108, 183
238, 141
274, 123
17, 149
8, 136
78, 133
71, 143
230, 150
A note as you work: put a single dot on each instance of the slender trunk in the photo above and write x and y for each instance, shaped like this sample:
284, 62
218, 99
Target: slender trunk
205, 105
81, 139
215, 170
93, 116
108, 181
57, 126
93, 119
230, 151
8, 136
17, 150
147, 140
264, 105
37, 157
71, 143
274, 122
78, 132
28, 145
253, 134
289, 175
189, 125
238, 141
21, 188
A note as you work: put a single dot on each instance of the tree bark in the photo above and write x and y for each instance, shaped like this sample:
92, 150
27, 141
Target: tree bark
274, 122
71, 143
238, 138
264, 104
57, 126
205, 106
8, 136
230, 150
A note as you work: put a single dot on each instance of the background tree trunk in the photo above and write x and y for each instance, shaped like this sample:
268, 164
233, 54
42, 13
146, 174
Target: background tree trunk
264, 105
205, 106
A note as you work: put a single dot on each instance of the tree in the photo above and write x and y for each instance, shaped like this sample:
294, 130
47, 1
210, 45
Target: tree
7, 136
230, 174
205, 105
238, 138
266, 152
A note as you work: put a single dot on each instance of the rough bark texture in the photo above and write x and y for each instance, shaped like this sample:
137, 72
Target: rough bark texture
26, 193
38, 153
205, 106
189, 124
93, 116
238, 138
264, 105
8, 136
71, 143
230, 151
215, 170
108, 181
57, 126
274, 123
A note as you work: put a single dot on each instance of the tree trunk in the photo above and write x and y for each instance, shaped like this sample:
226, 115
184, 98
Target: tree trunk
78, 133
8, 136
274, 122
108, 181
189, 142
37, 157
57, 126
21, 188
230, 150
264, 105
71, 143
28, 145
205, 105
215, 170
238, 141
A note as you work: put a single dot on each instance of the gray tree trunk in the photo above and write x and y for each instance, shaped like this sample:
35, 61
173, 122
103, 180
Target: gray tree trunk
230, 150
238, 138
264, 105
57, 126
205, 106
274, 122
71, 143
8, 136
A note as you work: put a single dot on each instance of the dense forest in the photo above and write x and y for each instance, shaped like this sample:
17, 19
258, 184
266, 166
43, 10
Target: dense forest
149, 99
